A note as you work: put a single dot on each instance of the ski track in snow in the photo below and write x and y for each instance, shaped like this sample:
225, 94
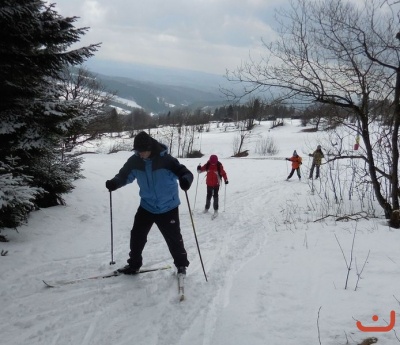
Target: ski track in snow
251, 297
228, 243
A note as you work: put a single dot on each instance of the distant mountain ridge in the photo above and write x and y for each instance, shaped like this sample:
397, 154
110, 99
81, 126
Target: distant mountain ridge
159, 90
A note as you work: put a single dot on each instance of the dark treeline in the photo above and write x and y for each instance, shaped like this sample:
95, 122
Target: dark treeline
139, 119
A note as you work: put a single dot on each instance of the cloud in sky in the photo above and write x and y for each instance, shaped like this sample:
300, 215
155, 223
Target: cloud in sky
203, 35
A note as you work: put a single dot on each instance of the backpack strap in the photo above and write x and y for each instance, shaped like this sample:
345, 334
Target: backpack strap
219, 164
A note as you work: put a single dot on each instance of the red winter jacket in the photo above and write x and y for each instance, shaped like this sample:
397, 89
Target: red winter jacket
296, 161
213, 177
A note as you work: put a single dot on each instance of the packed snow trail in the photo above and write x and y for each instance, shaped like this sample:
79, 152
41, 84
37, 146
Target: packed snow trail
269, 266
227, 243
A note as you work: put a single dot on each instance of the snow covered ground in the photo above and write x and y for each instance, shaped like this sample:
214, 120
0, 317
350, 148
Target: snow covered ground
276, 275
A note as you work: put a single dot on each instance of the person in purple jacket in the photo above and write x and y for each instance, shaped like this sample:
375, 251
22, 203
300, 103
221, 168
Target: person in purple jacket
156, 173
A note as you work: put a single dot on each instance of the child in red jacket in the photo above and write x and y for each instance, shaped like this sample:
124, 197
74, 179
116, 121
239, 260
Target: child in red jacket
215, 173
296, 162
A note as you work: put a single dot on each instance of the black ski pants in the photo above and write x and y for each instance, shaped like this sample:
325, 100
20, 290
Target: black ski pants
316, 170
292, 172
212, 192
169, 226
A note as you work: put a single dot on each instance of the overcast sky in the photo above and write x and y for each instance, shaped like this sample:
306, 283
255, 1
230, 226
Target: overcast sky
202, 35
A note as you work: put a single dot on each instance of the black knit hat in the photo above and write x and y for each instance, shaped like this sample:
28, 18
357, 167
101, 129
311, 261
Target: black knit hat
142, 142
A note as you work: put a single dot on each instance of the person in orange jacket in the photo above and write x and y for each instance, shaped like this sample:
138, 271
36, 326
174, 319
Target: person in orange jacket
215, 173
296, 162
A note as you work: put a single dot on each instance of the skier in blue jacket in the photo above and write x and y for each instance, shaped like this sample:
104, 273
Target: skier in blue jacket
156, 173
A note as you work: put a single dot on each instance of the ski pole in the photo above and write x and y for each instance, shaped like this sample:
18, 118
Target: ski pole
112, 262
225, 197
195, 196
195, 236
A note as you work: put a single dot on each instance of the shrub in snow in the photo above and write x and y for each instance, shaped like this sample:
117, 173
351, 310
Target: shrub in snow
16, 196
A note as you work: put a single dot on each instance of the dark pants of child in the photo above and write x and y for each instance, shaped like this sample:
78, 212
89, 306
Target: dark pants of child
169, 226
316, 171
292, 172
212, 192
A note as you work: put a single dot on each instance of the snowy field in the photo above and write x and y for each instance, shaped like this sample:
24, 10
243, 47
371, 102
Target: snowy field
276, 273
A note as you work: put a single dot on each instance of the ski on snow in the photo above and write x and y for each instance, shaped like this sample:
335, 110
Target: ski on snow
181, 287
213, 216
52, 284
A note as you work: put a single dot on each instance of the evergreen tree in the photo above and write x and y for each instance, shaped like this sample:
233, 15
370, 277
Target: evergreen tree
34, 51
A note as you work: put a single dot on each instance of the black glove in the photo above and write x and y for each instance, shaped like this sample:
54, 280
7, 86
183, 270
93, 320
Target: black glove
287, 159
226, 182
111, 185
184, 183
199, 168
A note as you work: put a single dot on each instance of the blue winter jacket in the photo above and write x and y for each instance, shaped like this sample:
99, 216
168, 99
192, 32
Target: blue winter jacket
157, 179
